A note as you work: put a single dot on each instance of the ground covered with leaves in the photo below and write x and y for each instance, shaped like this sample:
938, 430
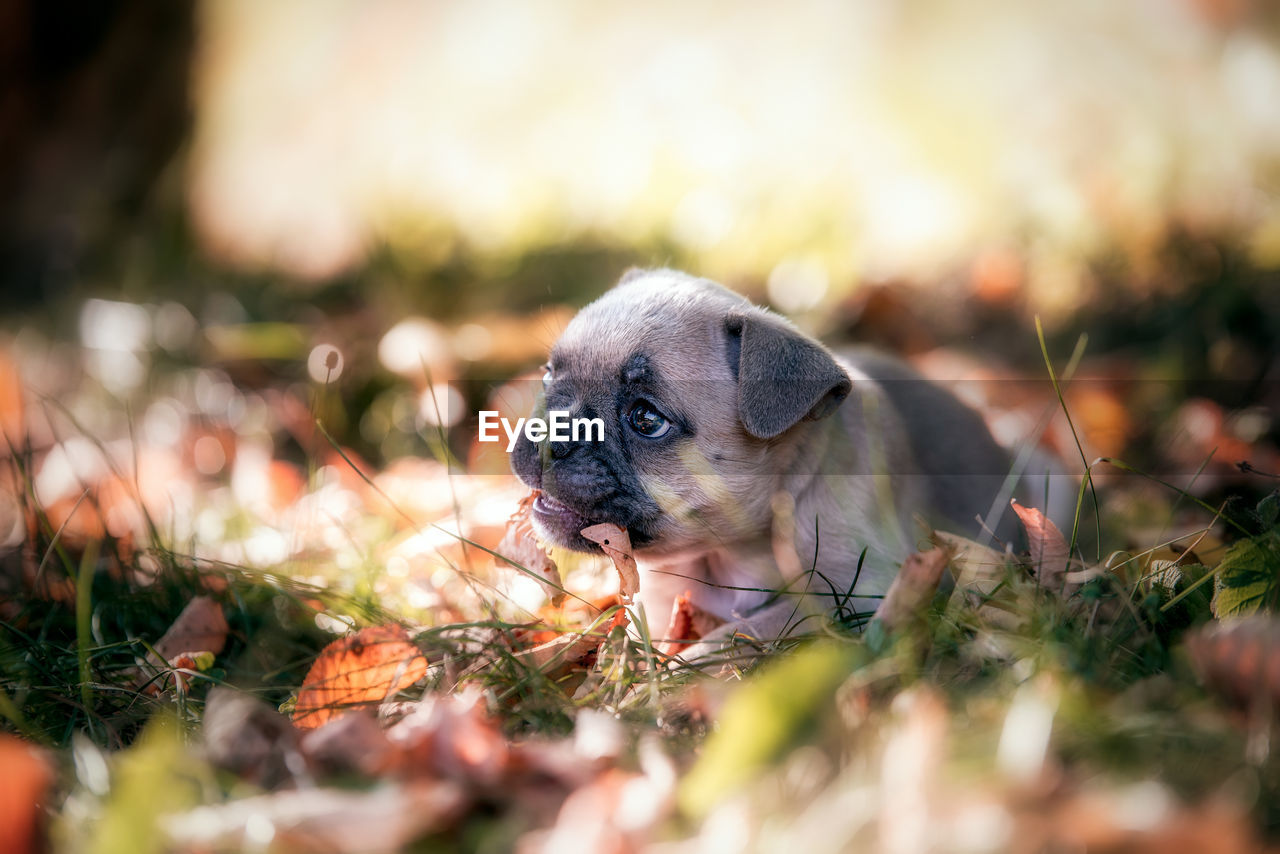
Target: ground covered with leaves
246, 612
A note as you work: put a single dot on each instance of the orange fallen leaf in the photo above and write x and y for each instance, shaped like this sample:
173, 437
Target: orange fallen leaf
12, 420
616, 543
362, 669
1049, 552
688, 624
27, 776
519, 547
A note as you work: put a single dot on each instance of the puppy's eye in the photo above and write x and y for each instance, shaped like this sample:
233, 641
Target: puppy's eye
647, 421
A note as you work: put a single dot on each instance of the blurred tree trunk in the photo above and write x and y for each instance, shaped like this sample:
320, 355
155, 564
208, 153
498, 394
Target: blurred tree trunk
94, 103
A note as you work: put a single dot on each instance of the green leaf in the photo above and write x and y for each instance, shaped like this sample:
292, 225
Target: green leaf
1247, 576
771, 712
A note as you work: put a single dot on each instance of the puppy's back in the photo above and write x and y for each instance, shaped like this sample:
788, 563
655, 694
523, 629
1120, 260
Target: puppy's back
964, 467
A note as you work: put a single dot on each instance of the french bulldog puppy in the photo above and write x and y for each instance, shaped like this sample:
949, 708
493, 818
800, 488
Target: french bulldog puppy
752, 467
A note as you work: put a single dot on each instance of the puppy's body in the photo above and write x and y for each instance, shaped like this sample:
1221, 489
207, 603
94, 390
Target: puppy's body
752, 467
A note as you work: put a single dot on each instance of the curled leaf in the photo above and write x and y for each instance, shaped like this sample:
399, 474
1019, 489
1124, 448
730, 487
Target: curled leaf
520, 547
982, 576
1049, 552
616, 543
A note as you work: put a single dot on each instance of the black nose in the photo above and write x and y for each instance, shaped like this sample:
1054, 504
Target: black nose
560, 450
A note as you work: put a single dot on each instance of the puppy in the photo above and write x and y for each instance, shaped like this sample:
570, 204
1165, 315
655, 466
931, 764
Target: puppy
752, 467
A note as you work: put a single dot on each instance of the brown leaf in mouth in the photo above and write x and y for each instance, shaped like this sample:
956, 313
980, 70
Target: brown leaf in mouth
520, 547
616, 543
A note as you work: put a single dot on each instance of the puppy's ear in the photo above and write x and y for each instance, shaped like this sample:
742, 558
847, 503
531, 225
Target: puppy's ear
783, 375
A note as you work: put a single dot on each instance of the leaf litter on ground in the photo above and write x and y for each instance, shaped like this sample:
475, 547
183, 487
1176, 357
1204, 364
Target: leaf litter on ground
1012, 709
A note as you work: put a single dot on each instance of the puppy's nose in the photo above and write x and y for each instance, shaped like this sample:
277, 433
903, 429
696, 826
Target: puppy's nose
560, 450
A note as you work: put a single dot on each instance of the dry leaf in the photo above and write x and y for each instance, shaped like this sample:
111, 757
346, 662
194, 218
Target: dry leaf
1049, 552
452, 736
981, 574
27, 775
1239, 661
520, 547
182, 665
349, 744
1104, 821
616, 810
200, 627
688, 623
361, 669
567, 649
385, 819
679, 632
912, 588
616, 543
12, 420
557, 651
251, 739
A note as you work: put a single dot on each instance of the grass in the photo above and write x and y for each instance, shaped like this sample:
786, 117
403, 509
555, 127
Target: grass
1104, 662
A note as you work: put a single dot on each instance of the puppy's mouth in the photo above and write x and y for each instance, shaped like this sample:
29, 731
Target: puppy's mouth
561, 524
557, 512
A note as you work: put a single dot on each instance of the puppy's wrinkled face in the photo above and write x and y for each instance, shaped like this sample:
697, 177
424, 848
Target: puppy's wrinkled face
653, 359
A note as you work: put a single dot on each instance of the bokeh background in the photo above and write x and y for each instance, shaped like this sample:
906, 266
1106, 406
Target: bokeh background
262, 261
224, 218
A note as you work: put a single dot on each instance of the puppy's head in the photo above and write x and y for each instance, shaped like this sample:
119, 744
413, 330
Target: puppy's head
702, 395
